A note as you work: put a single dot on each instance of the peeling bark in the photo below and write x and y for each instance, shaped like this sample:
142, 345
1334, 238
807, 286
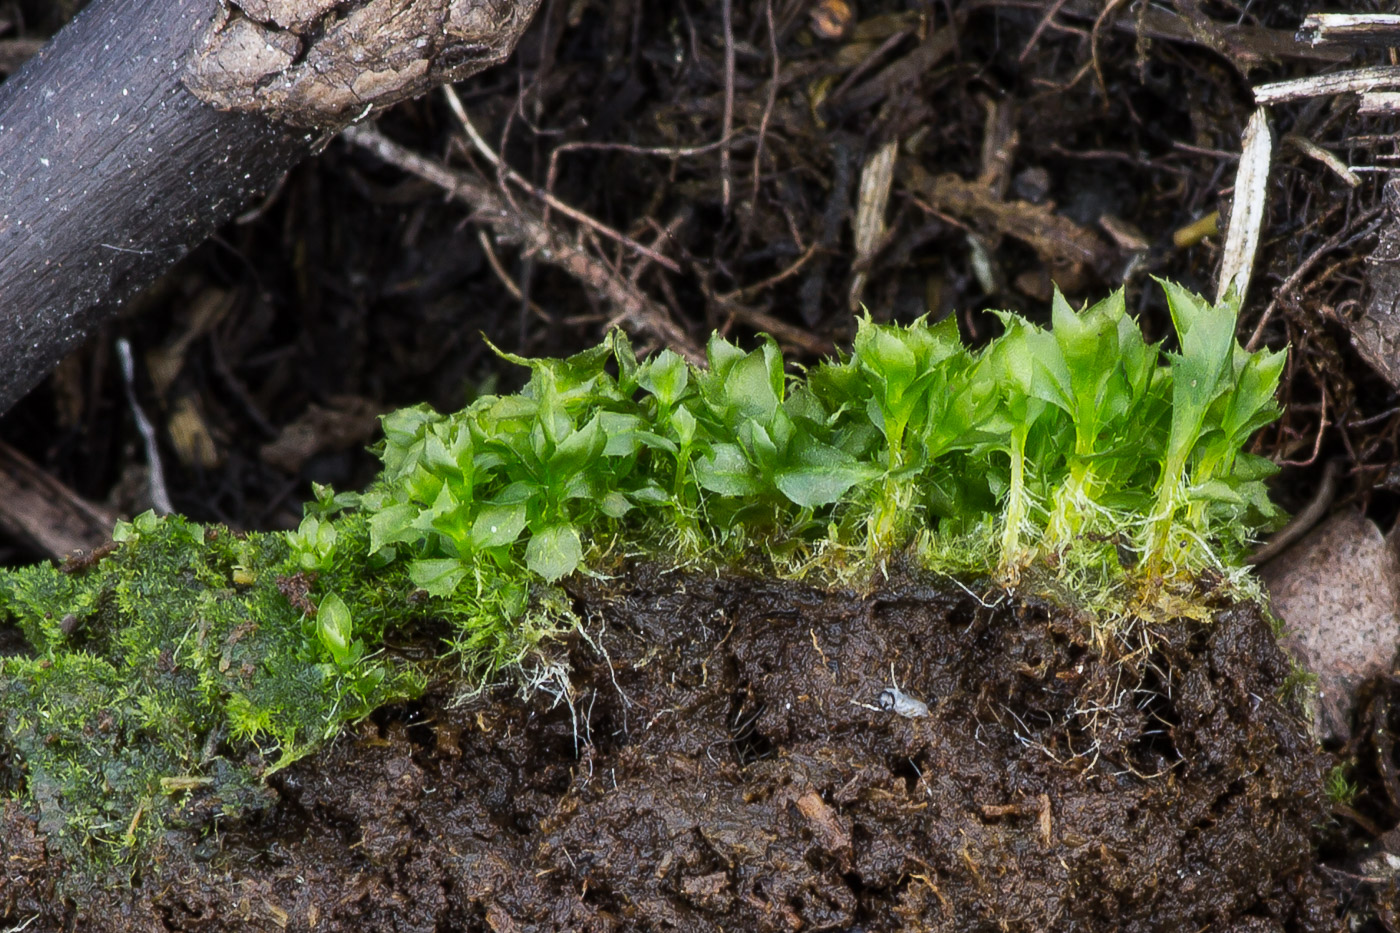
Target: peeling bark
311, 64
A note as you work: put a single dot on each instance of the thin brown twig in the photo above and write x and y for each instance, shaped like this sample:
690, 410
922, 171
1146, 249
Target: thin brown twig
1336, 240
1203, 151
768, 106
1322, 425
726, 183
781, 330
506, 280
1061, 87
673, 152
573, 213
632, 307
1040, 28
867, 63
1386, 437
1367, 422
1111, 155
1094, 45
663, 234
793, 229
772, 280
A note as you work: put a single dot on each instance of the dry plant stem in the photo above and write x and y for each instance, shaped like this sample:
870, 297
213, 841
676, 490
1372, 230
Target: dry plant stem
1304, 520
1152, 21
663, 234
1247, 214
1354, 29
937, 46
1378, 103
1040, 28
671, 152
869, 225
1094, 34
1201, 150
509, 283
869, 62
510, 174
726, 182
160, 497
37, 508
782, 331
772, 280
1354, 81
1322, 425
1313, 151
1055, 237
634, 309
1374, 419
769, 103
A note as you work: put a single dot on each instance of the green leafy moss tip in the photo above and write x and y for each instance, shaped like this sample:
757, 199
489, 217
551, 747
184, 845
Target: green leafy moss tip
1080, 439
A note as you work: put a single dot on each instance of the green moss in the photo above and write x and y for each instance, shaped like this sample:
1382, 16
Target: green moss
1341, 789
1083, 449
177, 672
1299, 687
154, 671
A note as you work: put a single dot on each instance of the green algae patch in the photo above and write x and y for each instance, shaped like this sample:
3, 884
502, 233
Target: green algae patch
166, 680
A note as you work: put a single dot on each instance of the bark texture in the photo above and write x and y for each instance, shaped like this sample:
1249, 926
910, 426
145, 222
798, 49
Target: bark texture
320, 63
110, 171
112, 168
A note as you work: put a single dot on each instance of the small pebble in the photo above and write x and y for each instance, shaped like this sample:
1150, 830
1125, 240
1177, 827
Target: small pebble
832, 19
895, 700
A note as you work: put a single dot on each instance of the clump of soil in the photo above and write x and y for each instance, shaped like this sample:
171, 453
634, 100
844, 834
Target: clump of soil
724, 761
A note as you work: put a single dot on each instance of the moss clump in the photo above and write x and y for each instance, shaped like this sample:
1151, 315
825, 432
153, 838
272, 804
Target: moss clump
1083, 448
173, 674
176, 665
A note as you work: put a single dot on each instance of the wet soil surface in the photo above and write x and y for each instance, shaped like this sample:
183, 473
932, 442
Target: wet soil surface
732, 758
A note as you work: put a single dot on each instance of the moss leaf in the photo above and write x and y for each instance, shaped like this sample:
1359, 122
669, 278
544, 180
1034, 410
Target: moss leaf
554, 552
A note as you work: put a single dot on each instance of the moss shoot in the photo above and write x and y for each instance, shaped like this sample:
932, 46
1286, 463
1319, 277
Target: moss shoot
166, 680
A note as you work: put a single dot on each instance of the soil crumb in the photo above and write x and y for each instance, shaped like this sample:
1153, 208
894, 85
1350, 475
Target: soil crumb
752, 755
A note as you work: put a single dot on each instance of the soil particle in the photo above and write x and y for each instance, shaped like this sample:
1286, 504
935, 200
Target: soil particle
723, 762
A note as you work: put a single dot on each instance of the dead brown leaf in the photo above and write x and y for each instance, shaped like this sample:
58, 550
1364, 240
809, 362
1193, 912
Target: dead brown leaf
1338, 592
348, 421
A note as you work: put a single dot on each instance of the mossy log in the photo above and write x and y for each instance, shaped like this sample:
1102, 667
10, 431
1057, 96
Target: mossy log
971, 618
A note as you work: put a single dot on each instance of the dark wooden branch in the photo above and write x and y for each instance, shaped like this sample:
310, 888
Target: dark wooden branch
111, 168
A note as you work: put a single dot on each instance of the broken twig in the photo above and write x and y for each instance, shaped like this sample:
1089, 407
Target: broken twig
37, 508
1353, 81
634, 309
1350, 29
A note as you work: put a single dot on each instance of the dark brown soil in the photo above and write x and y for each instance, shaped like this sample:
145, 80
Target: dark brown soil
724, 763
354, 289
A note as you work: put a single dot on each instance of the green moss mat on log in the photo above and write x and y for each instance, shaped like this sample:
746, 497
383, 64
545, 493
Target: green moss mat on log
165, 680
